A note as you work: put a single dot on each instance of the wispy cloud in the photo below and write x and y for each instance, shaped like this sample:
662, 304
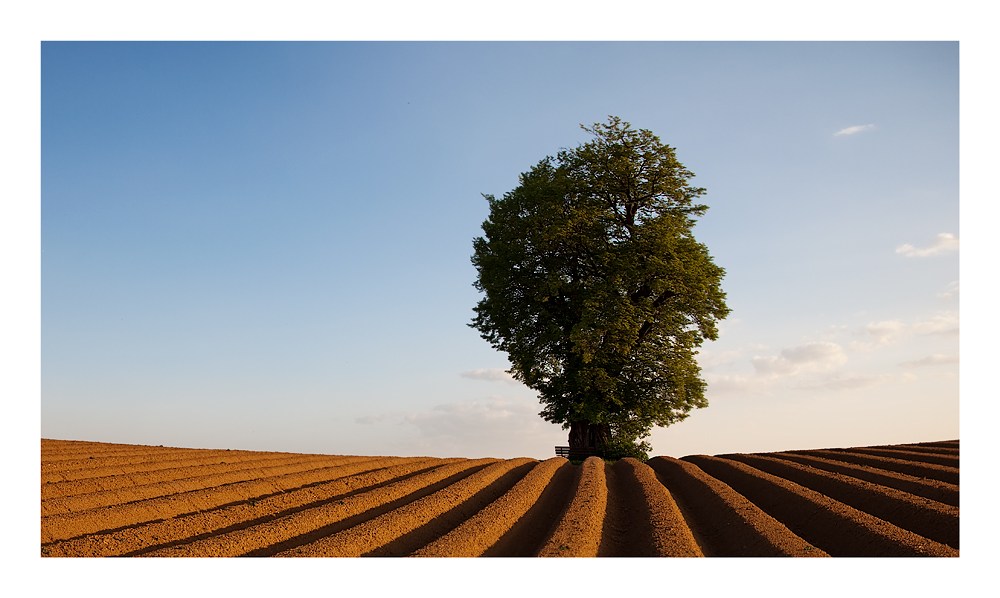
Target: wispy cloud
490, 375
949, 291
892, 331
885, 332
735, 383
497, 426
935, 359
807, 366
710, 360
853, 130
457, 419
841, 381
810, 357
942, 243
945, 324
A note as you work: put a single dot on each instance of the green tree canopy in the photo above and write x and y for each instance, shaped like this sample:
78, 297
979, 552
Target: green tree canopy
596, 288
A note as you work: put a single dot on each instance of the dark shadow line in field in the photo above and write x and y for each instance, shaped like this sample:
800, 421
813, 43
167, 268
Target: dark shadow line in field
95, 460
920, 470
159, 470
906, 455
931, 450
140, 487
921, 516
941, 443
690, 520
180, 495
249, 523
937, 490
626, 530
333, 528
444, 523
694, 502
530, 533
796, 508
84, 454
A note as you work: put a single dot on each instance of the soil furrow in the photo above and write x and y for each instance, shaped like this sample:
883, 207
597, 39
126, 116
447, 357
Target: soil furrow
135, 452
270, 537
934, 458
725, 522
51, 444
97, 460
934, 450
153, 467
942, 492
836, 528
145, 538
97, 450
115, 482
920, 470
530, 533
65, 526
420, 537
642, 518
416, 524
578, 532
944, 444
922, 516
131, 494
485, 529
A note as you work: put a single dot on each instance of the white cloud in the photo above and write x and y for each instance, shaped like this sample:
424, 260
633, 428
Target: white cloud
892, 331
491, 375
735, 383
935, 359
942, 243
853, 130
886, 332
808, 357
709, 360
949, 291
841, 381
816, 365
457, 419
497, 426
945, 324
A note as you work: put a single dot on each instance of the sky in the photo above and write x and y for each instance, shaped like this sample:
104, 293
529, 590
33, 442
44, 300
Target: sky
267, 246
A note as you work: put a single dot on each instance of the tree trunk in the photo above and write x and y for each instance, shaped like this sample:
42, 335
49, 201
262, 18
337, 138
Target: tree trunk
587, 437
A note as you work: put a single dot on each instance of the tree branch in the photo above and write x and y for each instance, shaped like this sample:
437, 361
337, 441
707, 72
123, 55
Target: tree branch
647, 326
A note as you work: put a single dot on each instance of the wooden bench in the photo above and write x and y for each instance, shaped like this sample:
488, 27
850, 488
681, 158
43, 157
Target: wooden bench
576, 454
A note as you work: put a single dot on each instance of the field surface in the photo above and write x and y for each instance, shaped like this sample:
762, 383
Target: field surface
102, 499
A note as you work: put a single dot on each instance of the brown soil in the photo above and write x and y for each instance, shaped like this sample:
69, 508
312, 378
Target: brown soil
102, 499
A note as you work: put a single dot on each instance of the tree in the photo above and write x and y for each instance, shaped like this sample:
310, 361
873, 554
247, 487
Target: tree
597, 290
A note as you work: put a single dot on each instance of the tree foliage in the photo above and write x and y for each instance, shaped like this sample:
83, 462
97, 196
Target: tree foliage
596, 288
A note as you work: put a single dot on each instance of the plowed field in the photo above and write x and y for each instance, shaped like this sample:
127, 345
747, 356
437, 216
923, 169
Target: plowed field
127, 500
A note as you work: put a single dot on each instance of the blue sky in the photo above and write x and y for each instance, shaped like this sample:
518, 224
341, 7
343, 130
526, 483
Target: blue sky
266, 245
